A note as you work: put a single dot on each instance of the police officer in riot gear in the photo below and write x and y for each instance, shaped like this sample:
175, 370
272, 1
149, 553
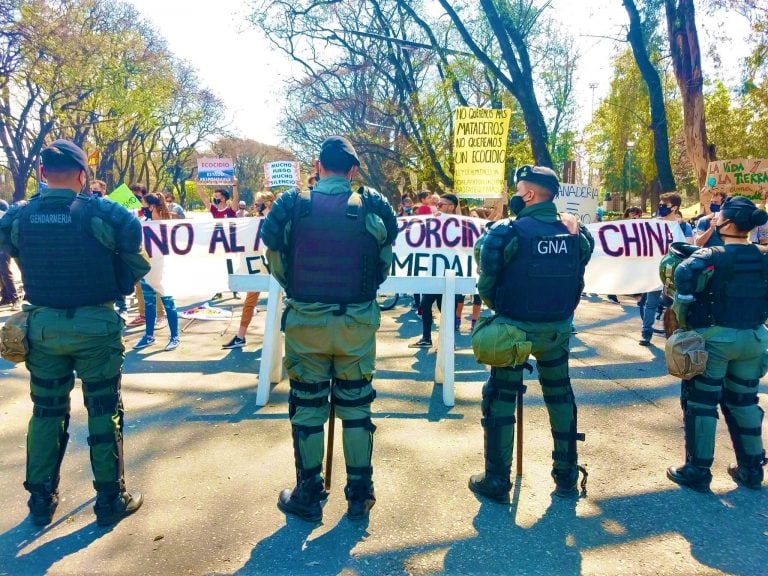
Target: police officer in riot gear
330, 248
722, 293
531, 274
77, 254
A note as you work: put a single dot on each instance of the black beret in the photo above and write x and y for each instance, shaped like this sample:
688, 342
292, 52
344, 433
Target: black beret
70, 150
540, 175
338, 145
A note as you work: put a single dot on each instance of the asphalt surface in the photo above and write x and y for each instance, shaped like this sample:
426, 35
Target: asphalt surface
211, 465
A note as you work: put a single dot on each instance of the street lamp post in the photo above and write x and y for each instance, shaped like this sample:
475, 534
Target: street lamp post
630, 148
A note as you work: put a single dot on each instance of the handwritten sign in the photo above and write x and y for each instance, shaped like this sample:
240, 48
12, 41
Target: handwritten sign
743, 177
480, 151
581, 201
282, 173
216, 171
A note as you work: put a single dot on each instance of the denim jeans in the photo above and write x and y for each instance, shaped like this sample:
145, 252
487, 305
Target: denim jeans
648, 312
150, 311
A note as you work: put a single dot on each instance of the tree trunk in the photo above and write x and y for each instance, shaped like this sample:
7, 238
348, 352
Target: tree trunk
655, 95
686, 60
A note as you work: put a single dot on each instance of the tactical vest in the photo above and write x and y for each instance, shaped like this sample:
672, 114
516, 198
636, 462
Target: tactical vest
333, 258
62, 264
544, 280
737, 294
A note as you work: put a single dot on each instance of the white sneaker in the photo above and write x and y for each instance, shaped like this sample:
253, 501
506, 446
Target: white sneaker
173, 343
160, 322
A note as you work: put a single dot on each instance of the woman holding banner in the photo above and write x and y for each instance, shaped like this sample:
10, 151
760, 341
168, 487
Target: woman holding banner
159, 211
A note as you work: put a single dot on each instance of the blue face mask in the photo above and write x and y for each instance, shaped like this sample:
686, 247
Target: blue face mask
664, 211
714, 208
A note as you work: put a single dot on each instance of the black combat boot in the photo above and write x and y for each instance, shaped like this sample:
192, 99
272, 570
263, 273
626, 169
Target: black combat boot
493, 486
567, 479
305, 501
749, 471
360, 498
42, 503
111, 507
694, 477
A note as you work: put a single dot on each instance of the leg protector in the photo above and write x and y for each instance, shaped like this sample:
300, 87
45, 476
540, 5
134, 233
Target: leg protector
104, 404
700, 420
498, 422
308, 416
353, 399
743, 416
48, 435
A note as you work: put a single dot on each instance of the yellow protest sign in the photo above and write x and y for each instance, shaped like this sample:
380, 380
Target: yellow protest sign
480, 151
742, 177
93, 159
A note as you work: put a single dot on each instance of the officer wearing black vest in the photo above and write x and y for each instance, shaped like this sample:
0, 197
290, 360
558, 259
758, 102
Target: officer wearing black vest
77, 253
531, 275
330, 248
722, 293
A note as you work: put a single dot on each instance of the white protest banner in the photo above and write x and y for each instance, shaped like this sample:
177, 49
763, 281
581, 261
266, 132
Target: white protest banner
192, 257
216, 171
627, 255
283, 173
581, 201
430, 245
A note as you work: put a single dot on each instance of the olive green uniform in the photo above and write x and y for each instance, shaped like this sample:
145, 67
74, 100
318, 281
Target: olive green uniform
550, 347
86, 340
329, 344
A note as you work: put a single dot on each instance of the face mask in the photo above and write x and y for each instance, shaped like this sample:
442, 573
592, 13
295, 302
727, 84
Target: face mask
516, 204
664, 211
714, 208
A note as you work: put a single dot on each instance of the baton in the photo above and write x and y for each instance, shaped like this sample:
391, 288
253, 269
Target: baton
519, 433
329, 449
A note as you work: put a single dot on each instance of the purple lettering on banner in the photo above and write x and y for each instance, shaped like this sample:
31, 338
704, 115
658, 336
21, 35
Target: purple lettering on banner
233, 246
398, 264
433, 234
409, 233
151, 239
604, 241
646, 240
633, 238
402, 224
456, 224
175, 244
260, 264
218, 236
656, 236
469, 234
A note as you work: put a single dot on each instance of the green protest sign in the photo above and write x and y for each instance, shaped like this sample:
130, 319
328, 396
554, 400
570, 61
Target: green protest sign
123, 196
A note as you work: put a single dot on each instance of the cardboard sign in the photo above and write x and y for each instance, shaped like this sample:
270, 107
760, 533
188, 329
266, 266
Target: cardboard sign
282, 173
742, 177
581, 201
480, 151
215, 171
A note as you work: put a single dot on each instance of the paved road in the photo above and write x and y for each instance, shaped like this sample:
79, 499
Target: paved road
211, 464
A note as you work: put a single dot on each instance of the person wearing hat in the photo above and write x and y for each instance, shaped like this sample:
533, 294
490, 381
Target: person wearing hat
722, 293
532, 276
242, 212
330, 248
77, 253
